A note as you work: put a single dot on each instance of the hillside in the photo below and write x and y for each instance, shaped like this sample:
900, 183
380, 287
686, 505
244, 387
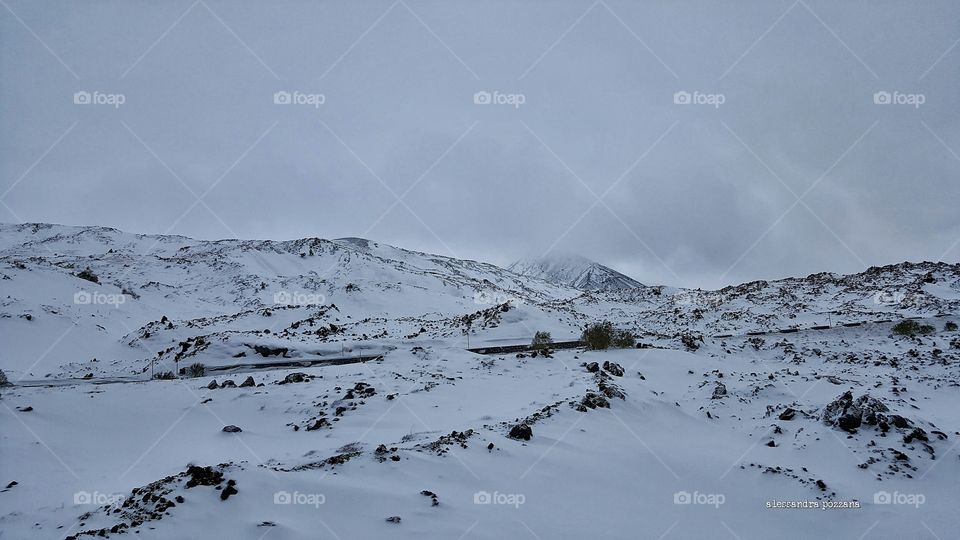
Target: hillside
340, 400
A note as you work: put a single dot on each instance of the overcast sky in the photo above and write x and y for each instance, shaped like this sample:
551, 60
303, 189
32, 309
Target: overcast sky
782, 164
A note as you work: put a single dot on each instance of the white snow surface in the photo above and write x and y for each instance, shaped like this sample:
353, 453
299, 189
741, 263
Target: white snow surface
674, 457
574, 271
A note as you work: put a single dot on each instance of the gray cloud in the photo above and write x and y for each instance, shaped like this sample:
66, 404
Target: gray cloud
702, 203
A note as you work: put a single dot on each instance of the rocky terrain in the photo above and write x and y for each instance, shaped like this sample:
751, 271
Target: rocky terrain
339, 398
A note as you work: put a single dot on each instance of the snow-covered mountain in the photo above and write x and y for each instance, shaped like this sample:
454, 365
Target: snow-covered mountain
736, 403
573, 271
155, 297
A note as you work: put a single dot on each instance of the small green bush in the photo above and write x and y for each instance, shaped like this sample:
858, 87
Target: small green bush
197, 370
165, 376
927, 329
541, 340
598, 336
624, 339
950, 327
906, 328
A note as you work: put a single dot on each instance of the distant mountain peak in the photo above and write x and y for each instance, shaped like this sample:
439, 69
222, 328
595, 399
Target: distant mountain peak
573, 270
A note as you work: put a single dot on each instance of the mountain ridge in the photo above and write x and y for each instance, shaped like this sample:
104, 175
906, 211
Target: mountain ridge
574, 271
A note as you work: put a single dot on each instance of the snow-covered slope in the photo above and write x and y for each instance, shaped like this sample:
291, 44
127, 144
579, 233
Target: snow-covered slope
573, 271
736, 402
155, 296
51, 316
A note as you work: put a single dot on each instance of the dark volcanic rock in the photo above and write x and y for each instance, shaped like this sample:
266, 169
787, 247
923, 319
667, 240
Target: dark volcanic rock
521, 432
317, 424
787, 414
295, 378
592, 401
232, 429
203, 476
613, 368
849, 414
229, 490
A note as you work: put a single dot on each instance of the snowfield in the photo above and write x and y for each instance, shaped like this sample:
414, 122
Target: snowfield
360, 413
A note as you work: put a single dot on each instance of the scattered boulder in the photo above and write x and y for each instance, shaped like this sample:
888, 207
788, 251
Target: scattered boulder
213, 385
917, 434
613, 368
592, 401
267, 352
203, 476
393, 519
433, 497
521, 432
719, 391
849, 414
592, 367
228, 384
229, 490
232, 429
248, 382
787, 414
899, 421
317, 424
295, 378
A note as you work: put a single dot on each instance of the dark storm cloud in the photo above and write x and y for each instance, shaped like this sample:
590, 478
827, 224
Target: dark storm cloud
690, 194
